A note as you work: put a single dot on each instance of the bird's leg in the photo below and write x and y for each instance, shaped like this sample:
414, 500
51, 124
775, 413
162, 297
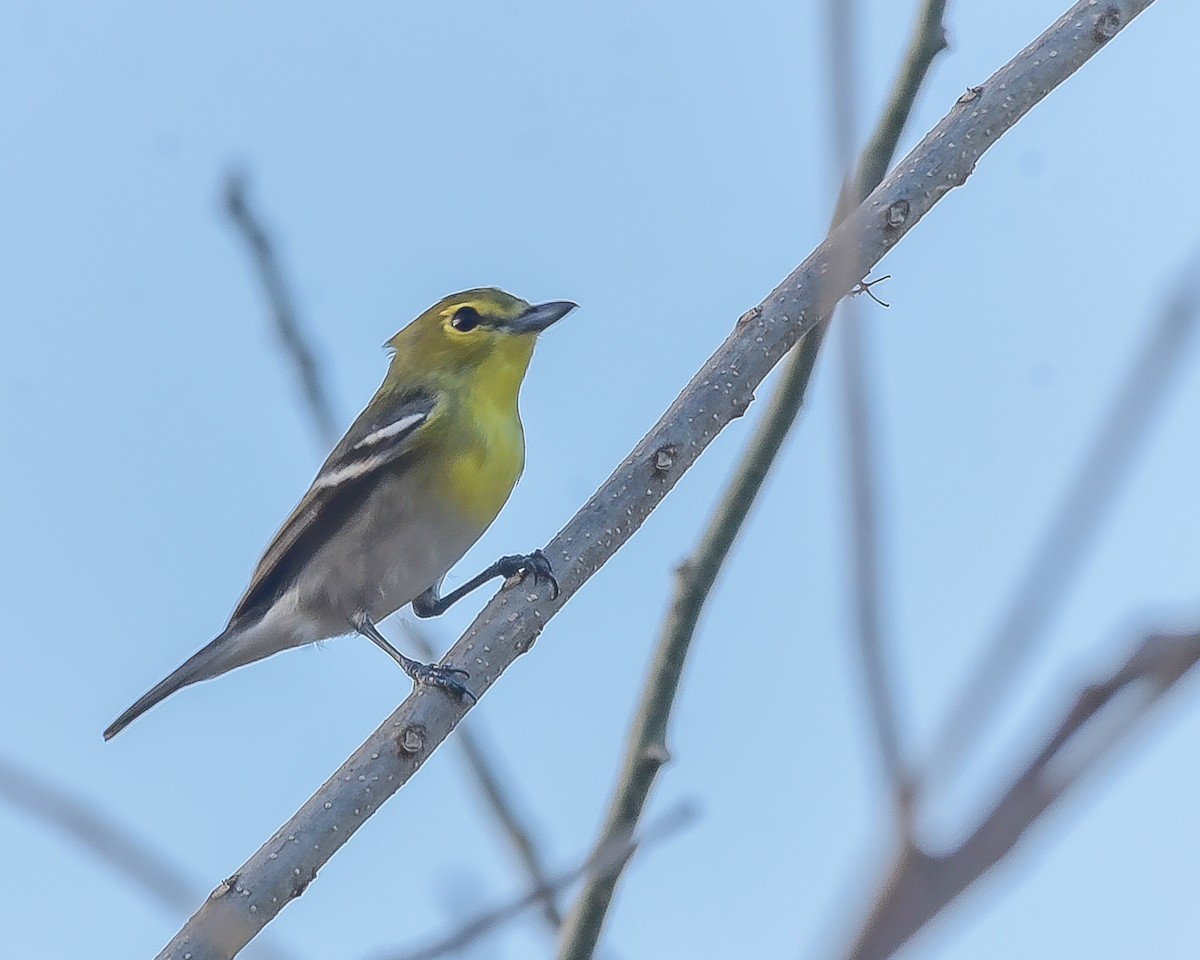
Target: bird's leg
435, 675
534, 565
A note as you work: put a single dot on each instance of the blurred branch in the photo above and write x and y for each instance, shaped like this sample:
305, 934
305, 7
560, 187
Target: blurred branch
721, 390
499, 801
138, 862
860, 446
602, 859
308, 371
646, 749
927, 41
299, 352
919, 885
1063, 547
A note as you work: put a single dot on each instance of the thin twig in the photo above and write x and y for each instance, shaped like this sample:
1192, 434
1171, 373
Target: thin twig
860, 447
81, 823
601, 859
135, 860
919, 885
499, 800
927, 41
308, 370
721, 390
283, 310
1043, 588
646, 749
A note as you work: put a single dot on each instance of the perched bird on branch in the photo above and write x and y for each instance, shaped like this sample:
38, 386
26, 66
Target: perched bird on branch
416, 480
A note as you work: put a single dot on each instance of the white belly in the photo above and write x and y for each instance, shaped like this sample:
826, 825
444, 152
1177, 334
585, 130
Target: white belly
379, 564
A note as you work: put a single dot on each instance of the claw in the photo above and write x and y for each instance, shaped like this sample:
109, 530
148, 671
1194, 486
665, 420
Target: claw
537, 565
448, 678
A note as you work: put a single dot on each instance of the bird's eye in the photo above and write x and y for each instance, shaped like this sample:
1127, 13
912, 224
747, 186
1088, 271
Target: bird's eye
464, 319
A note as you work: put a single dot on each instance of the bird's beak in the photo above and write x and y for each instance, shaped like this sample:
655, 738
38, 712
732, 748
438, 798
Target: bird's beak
538, 318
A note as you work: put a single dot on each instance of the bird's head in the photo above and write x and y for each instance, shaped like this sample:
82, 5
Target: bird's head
485, 334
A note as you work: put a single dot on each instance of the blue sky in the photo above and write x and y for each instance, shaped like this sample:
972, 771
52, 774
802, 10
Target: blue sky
664, 169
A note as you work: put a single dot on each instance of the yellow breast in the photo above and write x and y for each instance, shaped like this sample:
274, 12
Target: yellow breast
488, 461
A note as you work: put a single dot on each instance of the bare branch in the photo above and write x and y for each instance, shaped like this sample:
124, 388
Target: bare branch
499, 800
82, 824
860, 446
928, 40
604, 858
919, 885
647, 748
299, 352
138, 862
720, 391
1063, 547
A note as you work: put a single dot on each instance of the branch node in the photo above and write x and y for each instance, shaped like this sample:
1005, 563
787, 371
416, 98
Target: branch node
897, 214
664, 457
411, 739
1106, 24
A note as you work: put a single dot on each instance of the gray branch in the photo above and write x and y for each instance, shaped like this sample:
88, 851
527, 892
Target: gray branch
508, 626
860, 446
646, 749
147, 869
919, 885
601, 859
89, 829
1063, 547
498, 798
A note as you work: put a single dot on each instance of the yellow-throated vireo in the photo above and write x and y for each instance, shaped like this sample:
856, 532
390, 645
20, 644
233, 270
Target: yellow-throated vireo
416, 480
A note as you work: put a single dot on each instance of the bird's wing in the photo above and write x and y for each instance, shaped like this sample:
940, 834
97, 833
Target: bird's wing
375, 441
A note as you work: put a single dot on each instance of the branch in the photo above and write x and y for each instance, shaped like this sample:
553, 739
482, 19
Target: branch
602, 859
1063, 547
308, 372
928, 40
500, 802
919, 885
722, 389
646, 750
131, 858
860, 447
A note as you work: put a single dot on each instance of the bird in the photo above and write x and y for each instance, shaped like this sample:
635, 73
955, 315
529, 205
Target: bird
418, 477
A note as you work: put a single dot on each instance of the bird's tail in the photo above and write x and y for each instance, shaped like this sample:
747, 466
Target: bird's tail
222, 654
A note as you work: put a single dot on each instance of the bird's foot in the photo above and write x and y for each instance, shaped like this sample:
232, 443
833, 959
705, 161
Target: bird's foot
451, 679
535, 566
